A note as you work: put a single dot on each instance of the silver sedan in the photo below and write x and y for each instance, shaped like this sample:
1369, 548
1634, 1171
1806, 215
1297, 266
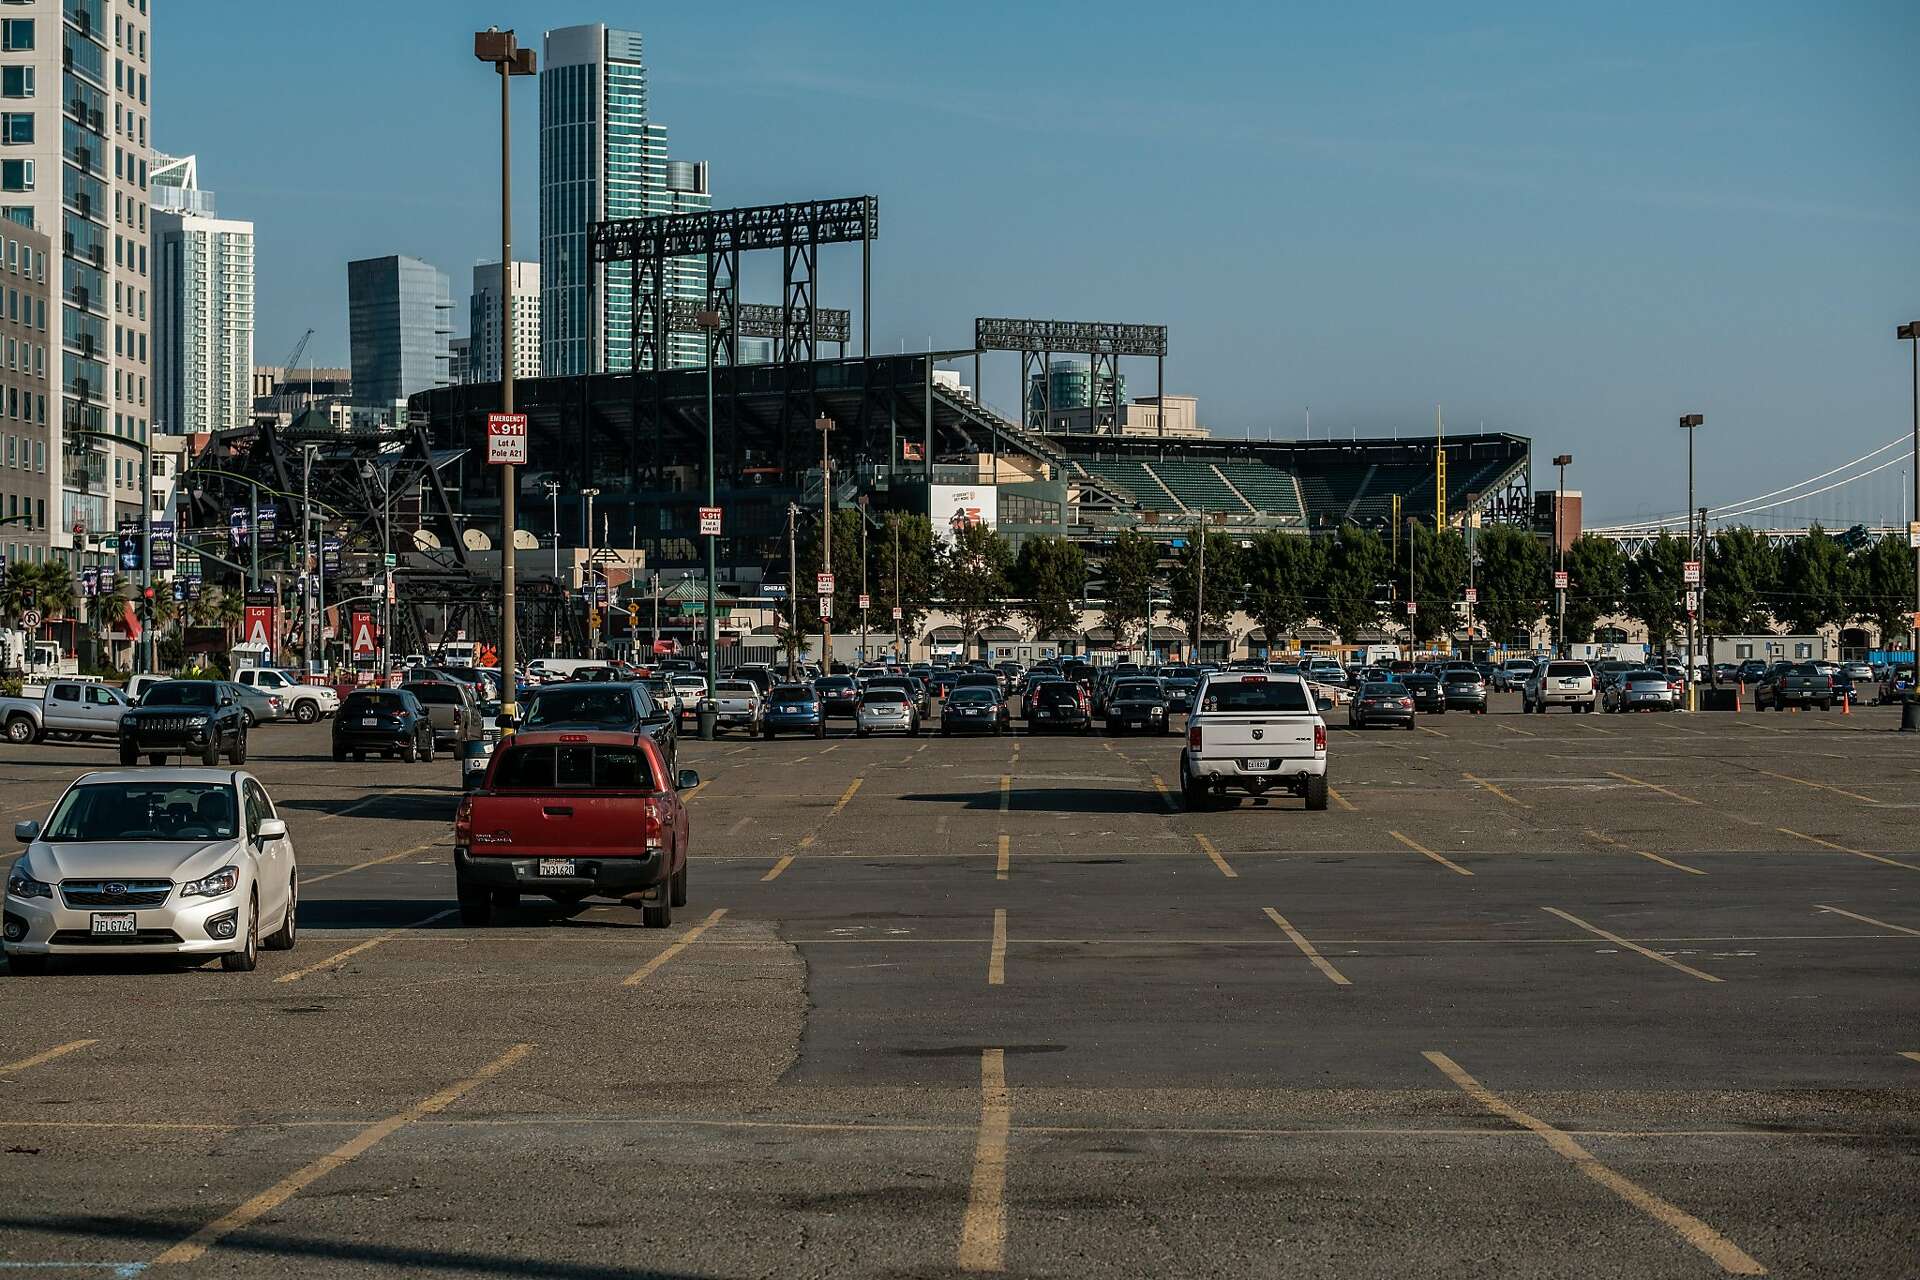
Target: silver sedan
886, 711
1642, 691
190, 862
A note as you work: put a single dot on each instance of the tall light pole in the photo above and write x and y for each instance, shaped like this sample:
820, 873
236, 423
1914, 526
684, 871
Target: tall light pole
1199, 592
509, 60
710, 321
824, 425
370, 471
306, 551
1691, 424
592, 584
1911, 334
1562, 461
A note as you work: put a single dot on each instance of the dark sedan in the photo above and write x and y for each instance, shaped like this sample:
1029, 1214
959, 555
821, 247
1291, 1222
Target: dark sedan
974, 709
386, 722
793, 708
1137, 704
1428, 693
1466, 689
1381, 702
1058, 707
839, 695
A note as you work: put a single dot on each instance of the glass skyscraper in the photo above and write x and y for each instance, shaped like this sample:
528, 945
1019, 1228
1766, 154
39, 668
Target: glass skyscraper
400, 322
602, 156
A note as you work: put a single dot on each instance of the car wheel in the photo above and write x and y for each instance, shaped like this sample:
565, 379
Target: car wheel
26, 966
129, 756
20, 729
410, 753
678, 893
1317, 791
359, 757
1192, 794
239, 753
658, 915
476, 907
247, 716
339, 753
283, 938
1826, 704
156, 760
211, 756
306, 711
426, 751
820, 730
248, 955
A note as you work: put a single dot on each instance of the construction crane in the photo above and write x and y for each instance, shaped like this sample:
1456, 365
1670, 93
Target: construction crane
293, 362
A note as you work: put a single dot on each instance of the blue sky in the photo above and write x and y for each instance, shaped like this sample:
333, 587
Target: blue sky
1571, 224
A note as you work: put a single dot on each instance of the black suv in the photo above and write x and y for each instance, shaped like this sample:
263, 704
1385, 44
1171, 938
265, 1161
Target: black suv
390, 722
184, 718
1134, 702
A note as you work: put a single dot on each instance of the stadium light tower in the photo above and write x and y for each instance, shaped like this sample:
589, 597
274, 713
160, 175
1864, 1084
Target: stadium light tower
1691, 424
1910, 333
1562, 461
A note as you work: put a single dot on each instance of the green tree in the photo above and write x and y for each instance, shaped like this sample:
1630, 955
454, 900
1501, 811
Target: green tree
971, 568
1741, 572
1881, 589
1656, 587
1357, 564
1439, 580
1051, 575
1514, 580
846, 569
1815, 583
1283, 573
913, 534
1596, 583
1132, 565
1221, 586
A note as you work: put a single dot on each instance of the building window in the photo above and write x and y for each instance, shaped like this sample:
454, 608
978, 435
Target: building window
16, 82
16, 34
16, 127
16, 175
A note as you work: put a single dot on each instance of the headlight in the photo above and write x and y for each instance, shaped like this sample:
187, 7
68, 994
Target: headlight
198, 720
225, 880
22, 885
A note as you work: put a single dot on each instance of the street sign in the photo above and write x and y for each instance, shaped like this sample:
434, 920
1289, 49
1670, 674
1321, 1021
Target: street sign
507, 439
1693, 603
826, 607
1560, 580
30, 620
391, 560
1473, 595
823, 584
1691, 573
1413, 607
897, 615
1913, 533
865, 600
709, 522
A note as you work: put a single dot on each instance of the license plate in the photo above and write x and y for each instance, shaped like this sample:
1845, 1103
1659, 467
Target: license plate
369, 723
1263, 763
1042, 714
557, 867
115, 922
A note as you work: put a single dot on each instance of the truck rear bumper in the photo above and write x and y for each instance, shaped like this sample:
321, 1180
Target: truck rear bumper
605, 877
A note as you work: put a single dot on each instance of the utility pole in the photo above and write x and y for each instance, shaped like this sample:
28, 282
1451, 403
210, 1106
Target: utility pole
592, 580
1413, 606
1911, 334
898, 609
793, 588
1691, 424
863, 577
825, 426
710, 321
1199, 594
1562, 461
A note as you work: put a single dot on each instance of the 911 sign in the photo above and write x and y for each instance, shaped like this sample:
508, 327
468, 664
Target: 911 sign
507, 439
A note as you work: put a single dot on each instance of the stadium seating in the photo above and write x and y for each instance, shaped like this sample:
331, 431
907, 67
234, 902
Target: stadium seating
1270, 490
1197, 486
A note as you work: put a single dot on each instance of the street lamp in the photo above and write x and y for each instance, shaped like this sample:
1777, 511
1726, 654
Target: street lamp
711, 321
1910, 333
372, 471
824, 425
509, 59
593, 587
1691, 424
1562, 461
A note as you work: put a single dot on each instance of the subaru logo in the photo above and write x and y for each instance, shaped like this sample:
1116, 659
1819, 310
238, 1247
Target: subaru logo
116, 890
1259, 734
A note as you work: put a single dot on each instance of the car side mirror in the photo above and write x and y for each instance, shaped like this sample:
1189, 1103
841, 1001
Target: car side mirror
1326, 704
657, 716
273, 829
687, 781
226, 702
27, 832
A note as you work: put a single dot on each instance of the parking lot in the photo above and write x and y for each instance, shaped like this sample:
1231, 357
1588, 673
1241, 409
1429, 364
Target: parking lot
1567, 995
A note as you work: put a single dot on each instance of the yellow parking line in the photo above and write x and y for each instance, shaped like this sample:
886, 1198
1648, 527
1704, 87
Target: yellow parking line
1435, 732
1841, 848
1341, 800
196, 1245
1479, 781
58, 1051
1724, 1254
697, 789
692, 936
983, 1232
846, 796
1604, 838
835, 747
997, 957
1882, 924
1006, 791
1005, 862
1652, 786
786, 860
1417, 847
1319, 962
1525, 733
1818, 786
368, 945
1208, 848
1596, 728
1635, 947
1908, 1053
374, 862
1166, 796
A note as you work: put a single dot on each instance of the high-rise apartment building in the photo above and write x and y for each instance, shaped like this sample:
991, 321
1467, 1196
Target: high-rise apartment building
602, 156
400, 327
28, 356
75, 139
483, 322
202, 305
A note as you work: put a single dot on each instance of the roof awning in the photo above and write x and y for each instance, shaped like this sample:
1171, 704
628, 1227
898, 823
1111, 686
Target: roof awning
1000, 635
944, 635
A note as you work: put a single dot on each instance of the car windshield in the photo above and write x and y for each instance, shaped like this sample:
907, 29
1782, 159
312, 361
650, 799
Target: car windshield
612, 708
1256, 695
1059, 691
181, 693
1649, 676
1464, 675
737, 688
1421, 680
144, 811
1136, 689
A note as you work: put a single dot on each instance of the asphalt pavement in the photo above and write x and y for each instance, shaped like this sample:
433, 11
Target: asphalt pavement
1562, 995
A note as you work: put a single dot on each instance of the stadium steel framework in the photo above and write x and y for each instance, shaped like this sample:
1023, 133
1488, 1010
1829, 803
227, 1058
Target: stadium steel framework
1103, 342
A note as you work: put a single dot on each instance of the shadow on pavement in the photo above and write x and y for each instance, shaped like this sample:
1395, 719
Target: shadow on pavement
1049, 800
430, 806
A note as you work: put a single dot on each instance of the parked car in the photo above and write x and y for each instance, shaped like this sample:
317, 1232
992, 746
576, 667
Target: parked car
451, 708
1799, 684
736, 705
1428, 694
1254, 732
1465, 689
1562, 682
191, 862
1642, 690
793, 708
886, 711
81, 708
914, 689
184, 718
1897, 685
688, 693
1134, 703
306, 703
1058, 706
1512, 674
571, 816
839, 696
1381, 702
974, 710
1752, 671
386, 722
257, 705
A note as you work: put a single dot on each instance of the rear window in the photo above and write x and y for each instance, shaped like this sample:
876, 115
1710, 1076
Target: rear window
968, 697
1568, 669
1380, 689
983, 679
885, 695
438, 694
1265, 695
739, 686
1059, 691
371, 702
1807, 669
792, 693
583, 766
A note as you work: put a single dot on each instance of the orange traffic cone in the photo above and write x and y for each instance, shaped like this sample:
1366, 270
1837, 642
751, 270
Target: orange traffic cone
1739, 695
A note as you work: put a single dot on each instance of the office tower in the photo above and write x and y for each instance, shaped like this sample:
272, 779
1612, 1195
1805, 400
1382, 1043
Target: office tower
603, 156
202, 305
400, 327
483, 325
75, 135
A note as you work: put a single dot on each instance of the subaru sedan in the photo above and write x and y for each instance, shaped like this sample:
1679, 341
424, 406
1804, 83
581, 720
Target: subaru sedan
189, 862
793, 708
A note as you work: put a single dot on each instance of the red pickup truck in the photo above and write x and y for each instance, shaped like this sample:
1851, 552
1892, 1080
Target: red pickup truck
574, 815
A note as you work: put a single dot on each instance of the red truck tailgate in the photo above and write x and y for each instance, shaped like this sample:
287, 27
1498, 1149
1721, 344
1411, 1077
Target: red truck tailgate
583, 825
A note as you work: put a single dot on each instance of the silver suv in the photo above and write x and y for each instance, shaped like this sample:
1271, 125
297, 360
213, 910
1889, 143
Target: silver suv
1560, 683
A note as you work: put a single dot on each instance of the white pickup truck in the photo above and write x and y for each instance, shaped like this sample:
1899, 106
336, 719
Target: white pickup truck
82, 708
305, 702
1254, 732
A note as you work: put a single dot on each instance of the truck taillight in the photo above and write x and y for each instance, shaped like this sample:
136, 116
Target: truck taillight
1319, 737
463, 823
1193, 737
650, 829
